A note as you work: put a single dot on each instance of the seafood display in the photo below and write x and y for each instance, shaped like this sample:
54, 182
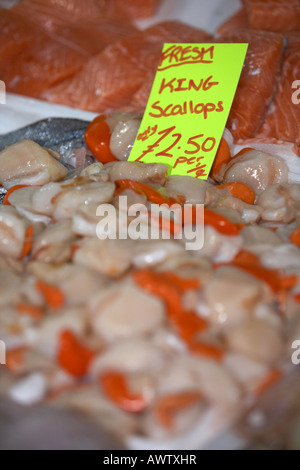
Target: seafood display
106, 64
111, 312
144, 337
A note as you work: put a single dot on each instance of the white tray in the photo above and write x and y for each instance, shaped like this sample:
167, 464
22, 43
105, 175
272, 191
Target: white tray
20, 111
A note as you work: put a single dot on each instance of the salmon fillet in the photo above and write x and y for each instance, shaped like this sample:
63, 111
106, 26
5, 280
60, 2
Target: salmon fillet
51, 14
175, 31
46, 59
258, 80
283, 120
15, 35
84, 37
138, 8
107, 82
92, 39
235, 22
93, 33
110, 79
140, 98
273, 15
41, 66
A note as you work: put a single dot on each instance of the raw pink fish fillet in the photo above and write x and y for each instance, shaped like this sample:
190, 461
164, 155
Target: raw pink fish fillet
41, 66
15, 35
82, 35
174, 31
139, 100
92, 39
44, 59
283, 120
268, 15
141, 97
110, 79
137, 8
273, 15
237, 21
51, 14
105, 83
258, 80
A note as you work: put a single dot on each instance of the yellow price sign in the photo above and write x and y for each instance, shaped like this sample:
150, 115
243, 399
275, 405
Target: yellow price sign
188, 108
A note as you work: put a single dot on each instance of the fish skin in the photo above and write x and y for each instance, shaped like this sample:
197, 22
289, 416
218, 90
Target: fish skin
283, 119
273, 15
258, 80
110, 79
59, 134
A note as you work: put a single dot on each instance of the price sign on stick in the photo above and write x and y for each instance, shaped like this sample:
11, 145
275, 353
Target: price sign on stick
188, 106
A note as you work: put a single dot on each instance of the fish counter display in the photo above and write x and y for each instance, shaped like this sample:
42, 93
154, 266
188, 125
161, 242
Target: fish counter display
143, 337
157, 346
106, 64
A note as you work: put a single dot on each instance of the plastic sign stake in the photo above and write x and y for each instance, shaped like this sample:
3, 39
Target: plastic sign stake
188, 108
